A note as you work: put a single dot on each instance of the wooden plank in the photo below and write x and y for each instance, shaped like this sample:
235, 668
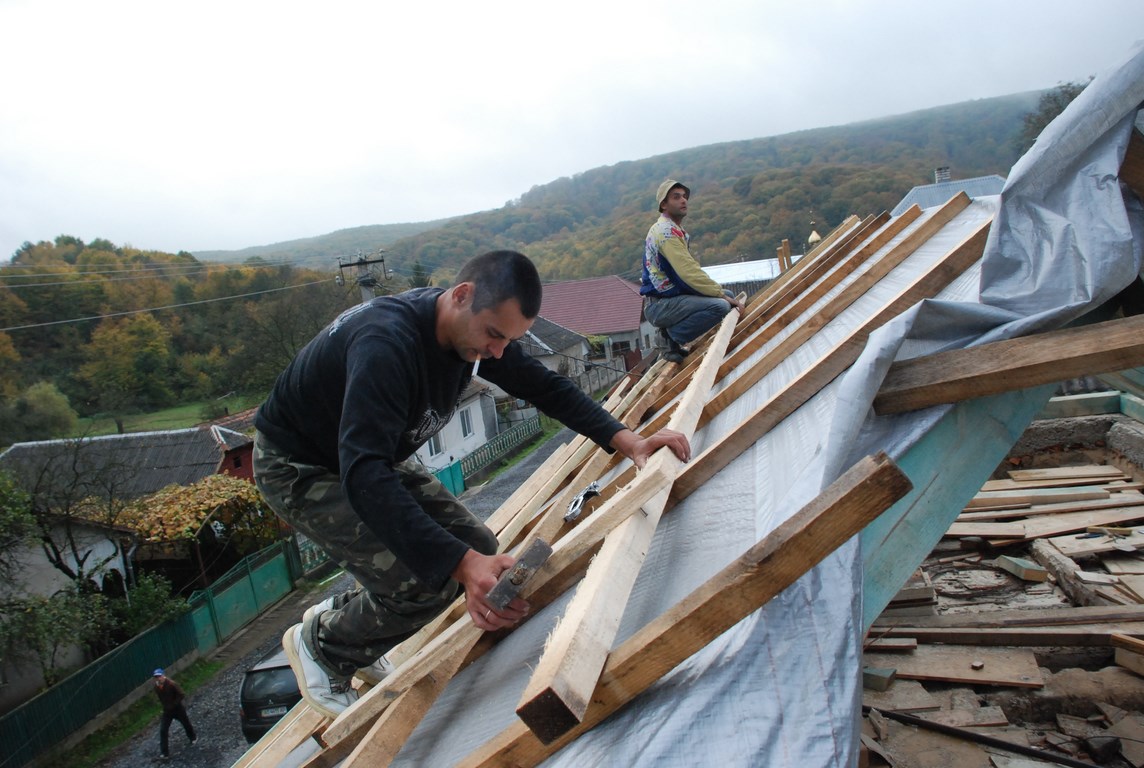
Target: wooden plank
902, 696
762, 325
1087, 404
550, 524
1036, 496
891, 644
1132, 169
1133, 584
1073, 636
1127, 499
1003, 366
1084, 471
297, 725
557, 694
851, 293
357, 717
1127, 642
1074, 547
987, 530
1045, 526
1120, 563
1066, 572
967, 718
1022, 568
762, 572
1000, 666
794, 394
389, 732
1007, 484
1029, 617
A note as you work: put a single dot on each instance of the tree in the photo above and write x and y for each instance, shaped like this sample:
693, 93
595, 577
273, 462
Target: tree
1051, 104
16, 526
419, 277
44, 628
69, 489
148, 604
129, 364
40, 412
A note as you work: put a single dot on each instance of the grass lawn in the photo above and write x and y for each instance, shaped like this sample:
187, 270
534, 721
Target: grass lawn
176, 417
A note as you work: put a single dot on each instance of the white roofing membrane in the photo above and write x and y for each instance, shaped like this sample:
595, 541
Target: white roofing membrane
783, 687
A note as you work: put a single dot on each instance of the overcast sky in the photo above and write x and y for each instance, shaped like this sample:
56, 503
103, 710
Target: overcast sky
222, 124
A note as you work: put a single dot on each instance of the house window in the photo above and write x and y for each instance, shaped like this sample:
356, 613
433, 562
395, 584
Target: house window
466, 423
436, 446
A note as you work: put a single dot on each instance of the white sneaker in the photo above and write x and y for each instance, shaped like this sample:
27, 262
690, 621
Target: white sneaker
318, 608
375, 672
322, 692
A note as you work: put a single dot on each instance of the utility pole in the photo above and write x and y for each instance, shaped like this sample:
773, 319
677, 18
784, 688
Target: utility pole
363, 277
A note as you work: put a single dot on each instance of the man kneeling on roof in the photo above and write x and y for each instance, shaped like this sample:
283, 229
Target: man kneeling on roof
334, 457
679, 297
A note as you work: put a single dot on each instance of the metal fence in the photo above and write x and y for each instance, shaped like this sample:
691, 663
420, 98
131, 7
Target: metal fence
499, 446
45, 721
243, 592
230, 603
452, 477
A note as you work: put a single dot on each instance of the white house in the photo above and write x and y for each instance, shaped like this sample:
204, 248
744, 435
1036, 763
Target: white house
474, 423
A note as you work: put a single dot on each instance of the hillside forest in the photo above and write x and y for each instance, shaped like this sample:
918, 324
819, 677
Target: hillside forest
103, 329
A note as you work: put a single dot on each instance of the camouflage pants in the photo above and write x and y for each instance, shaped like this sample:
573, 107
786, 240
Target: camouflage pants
390, 604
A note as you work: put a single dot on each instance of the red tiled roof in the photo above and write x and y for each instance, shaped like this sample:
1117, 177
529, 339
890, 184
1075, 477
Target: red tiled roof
597, 305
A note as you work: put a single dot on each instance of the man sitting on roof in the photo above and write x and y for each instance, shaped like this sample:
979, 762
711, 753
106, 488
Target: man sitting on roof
680, 299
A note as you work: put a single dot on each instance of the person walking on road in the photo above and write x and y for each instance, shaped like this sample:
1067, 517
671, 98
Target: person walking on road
171, 698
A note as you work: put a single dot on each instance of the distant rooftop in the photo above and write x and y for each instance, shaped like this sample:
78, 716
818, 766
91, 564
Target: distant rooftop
597, 305
930, 195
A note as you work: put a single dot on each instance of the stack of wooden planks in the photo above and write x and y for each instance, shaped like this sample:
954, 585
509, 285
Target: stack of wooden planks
1069, 536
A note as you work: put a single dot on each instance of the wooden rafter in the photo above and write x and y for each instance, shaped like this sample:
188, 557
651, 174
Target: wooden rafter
557, 694
1004, 366
763, 571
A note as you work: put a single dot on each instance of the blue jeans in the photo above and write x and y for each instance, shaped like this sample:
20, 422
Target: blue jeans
687, 317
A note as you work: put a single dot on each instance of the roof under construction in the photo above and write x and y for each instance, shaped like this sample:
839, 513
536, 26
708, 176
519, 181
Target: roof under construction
871, 389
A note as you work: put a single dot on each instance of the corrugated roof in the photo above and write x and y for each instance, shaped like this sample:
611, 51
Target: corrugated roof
136, 464
745, 271
597, 305
551, 336
929, 195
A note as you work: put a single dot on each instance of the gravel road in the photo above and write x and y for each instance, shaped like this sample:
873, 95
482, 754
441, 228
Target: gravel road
213, 709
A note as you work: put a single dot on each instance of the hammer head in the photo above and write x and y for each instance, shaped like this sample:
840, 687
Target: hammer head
512, 581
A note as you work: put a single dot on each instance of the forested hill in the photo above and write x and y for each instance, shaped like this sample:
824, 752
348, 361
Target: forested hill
747, 196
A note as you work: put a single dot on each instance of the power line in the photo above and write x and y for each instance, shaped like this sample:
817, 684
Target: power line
170, 270
157, 309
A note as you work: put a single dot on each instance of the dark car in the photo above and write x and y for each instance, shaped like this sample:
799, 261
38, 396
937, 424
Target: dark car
269, 690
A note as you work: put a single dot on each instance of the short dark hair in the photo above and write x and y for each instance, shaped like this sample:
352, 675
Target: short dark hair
502, 275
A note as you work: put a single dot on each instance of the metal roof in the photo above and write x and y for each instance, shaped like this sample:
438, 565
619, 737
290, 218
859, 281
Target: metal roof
930, 195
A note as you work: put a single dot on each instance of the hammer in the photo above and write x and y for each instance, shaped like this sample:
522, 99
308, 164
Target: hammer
512, 581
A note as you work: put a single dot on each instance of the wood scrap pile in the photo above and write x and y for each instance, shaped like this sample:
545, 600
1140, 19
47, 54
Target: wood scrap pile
1040, 560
